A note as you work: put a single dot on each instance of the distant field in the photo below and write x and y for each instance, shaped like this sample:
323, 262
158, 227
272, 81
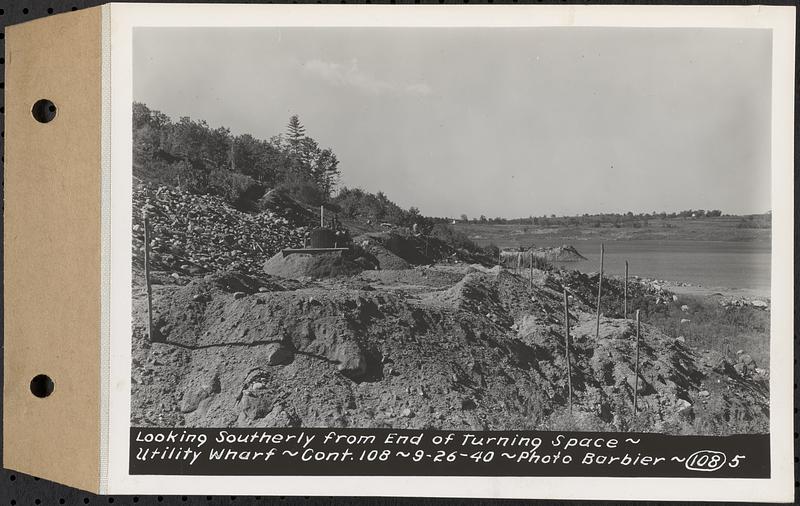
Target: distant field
724, 228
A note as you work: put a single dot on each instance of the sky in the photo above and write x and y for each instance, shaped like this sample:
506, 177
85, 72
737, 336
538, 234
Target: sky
509, 122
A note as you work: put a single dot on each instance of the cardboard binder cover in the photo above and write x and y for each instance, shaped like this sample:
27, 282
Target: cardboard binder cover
52, 249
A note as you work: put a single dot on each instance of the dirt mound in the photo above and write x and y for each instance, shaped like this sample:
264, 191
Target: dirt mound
413, 280
521, 257
477, 293
398, 248
677, 388
384, 258
201, 233
642, 295
315, 265
473, 351
564, 253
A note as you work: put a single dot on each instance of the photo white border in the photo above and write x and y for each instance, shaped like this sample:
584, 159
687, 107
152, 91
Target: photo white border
117, 386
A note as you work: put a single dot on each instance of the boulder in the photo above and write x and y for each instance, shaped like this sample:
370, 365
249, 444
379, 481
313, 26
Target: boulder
685, 410
351, 361
197, 393
747, 360
254, 404
279, 354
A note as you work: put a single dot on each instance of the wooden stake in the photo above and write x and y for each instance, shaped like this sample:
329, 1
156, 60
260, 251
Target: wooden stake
321, 216
625, 303
636, 368
600, 289
530, 280
519, 260
150, 335
566, 349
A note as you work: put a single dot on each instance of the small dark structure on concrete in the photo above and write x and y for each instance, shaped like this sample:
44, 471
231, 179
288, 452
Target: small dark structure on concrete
322, 238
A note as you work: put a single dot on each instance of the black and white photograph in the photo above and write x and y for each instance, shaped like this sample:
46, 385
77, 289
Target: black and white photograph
465, 228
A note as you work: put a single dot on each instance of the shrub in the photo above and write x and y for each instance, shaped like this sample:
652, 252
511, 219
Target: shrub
304, 191
454, 238
492, 250
240, 190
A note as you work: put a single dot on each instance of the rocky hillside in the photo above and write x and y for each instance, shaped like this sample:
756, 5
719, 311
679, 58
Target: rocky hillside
195, 234
200, 234
446, 346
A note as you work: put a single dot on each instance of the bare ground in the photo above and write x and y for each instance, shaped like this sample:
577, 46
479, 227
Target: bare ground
445, 346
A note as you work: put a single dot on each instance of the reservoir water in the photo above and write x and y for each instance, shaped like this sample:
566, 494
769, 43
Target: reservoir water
711, 264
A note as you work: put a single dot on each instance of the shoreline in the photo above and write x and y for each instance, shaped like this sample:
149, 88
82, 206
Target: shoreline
738, 293
731, 294
684, 288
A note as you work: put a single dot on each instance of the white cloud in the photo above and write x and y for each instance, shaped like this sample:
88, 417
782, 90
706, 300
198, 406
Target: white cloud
351, 75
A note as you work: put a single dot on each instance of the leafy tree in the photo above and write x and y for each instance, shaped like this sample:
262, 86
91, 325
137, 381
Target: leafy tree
192, 155
325, 170
355, 203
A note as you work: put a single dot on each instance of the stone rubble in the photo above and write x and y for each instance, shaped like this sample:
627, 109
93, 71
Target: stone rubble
196, 234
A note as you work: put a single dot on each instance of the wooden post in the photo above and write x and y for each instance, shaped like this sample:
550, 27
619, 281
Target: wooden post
625, 303
636, 368
233, 155
600, 289
519, 261
530, 271
321, 216
150, 335
566, 349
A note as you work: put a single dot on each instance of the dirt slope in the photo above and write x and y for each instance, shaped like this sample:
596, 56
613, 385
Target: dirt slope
445, 346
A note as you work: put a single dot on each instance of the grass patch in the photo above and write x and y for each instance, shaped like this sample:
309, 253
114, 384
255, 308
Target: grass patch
715, 327
710, 325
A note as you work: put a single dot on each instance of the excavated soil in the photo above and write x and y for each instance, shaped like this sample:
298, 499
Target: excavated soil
443, 346
315, 265
565, 253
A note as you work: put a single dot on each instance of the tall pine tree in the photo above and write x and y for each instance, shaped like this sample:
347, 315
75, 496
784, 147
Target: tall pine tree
295, 133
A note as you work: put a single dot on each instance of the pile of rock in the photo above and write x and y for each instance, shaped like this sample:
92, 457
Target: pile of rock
758, 303
564, 253
193, 234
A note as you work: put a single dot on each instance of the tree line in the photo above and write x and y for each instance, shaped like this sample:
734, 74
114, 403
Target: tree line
193, 156
357, 204
616, 219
